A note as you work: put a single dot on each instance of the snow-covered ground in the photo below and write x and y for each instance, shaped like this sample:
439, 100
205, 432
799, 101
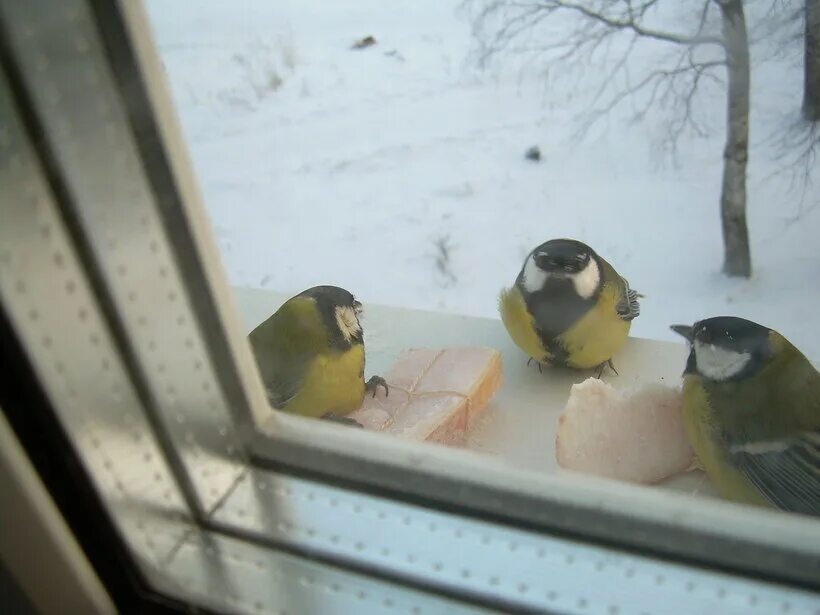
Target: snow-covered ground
321, 164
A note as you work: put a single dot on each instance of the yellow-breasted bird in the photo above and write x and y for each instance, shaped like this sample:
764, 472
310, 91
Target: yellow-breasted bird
751, 406
568, 306
310, 354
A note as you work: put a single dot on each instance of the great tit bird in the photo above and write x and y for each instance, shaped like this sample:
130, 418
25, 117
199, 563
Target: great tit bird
751, 406
568, 306
310, 354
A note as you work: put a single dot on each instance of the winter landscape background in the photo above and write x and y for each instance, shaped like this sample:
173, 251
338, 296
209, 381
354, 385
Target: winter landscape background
398, 170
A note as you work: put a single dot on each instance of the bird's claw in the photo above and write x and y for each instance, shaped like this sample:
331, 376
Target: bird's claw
538, 363
600, 368
344, 420
374, 383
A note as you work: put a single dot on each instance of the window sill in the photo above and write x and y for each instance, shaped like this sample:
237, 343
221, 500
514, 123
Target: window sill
487, 483
519, 424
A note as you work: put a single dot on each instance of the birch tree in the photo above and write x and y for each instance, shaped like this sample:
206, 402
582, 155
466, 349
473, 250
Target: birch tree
811, 61
710, 48
737, 256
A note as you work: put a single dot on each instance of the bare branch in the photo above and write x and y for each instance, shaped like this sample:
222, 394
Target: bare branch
605, 34
676, 87
797, 148
630, 23
704, 14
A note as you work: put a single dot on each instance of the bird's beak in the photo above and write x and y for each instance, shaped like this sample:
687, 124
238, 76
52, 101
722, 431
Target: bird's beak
686, 331
357, 306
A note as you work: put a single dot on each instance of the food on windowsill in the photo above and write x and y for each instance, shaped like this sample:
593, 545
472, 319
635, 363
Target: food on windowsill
636, 436
435, 395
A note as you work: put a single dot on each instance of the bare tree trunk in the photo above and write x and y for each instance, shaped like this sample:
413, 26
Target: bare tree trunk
737, 259
811, 62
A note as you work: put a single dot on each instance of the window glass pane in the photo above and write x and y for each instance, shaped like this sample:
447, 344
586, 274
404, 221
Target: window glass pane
423, 155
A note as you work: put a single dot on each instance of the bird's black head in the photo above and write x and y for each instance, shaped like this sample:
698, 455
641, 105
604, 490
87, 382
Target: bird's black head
561, 263
562, 256
726, 348
340, 312
332, 296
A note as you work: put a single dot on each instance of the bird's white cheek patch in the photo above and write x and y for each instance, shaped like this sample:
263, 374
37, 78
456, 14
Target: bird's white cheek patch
586, 281
348, 322
718, 363
534, 277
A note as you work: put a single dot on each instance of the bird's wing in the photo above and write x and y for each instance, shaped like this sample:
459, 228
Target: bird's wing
786, 471
285, 345
628, 307
282, 375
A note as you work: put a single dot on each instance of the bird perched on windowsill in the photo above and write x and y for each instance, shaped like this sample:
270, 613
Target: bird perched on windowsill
310, 354
569, 306
751, 406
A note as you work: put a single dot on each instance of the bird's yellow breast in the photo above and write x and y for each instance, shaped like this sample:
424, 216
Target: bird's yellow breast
334, 383
590, 341
701, 429
598, 334
520, 323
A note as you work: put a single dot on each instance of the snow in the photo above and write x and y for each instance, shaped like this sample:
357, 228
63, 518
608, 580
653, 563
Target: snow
323, 164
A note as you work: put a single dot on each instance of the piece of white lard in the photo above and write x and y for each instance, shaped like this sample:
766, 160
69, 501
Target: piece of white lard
636, 435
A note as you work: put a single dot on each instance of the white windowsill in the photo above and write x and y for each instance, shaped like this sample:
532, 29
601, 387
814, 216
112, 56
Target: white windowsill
520, 423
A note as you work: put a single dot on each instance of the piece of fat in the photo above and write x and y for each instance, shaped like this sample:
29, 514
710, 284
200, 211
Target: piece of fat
636, 436
435, 394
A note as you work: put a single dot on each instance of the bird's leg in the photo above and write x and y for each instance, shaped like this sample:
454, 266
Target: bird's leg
600, 368
694, 465
374, 383
344, 420
612, 366
538, 363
